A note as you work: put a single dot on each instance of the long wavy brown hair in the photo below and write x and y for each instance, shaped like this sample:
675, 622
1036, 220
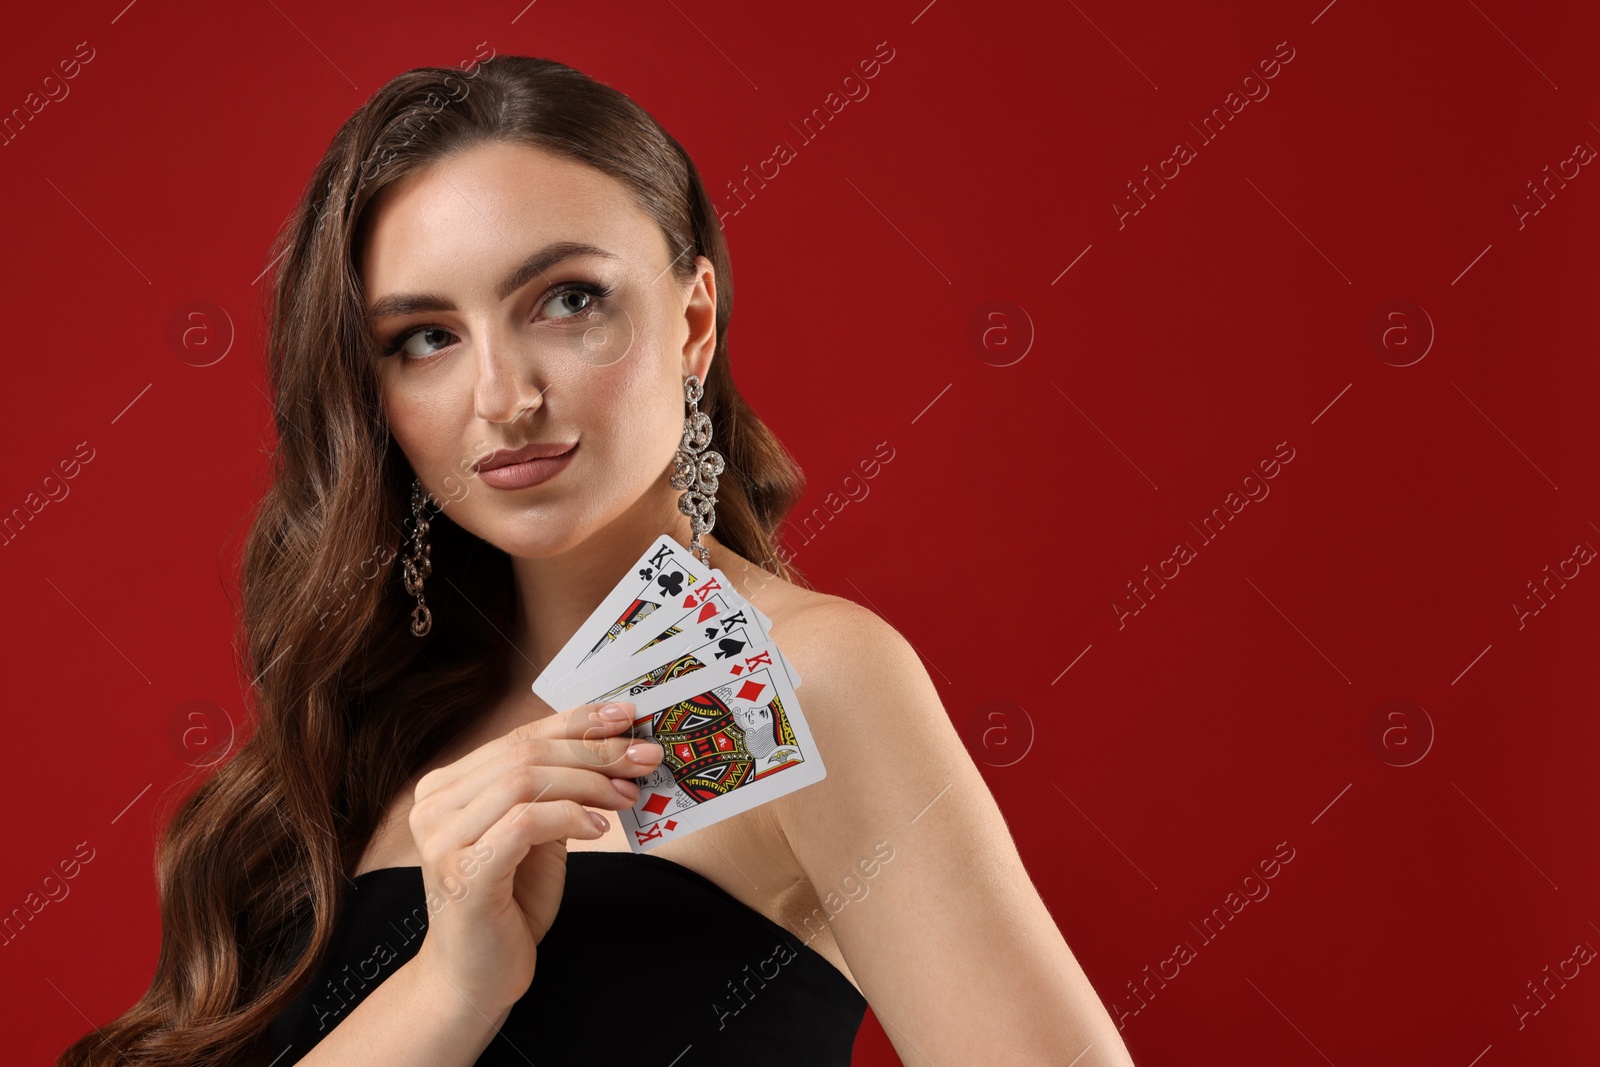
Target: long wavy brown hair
348, 704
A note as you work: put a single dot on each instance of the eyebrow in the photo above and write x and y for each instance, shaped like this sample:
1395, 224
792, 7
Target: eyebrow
527, 270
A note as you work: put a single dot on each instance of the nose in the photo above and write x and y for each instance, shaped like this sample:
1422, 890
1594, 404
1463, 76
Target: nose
507, 386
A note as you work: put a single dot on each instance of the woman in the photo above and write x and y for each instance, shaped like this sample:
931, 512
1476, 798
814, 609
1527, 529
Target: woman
405, 864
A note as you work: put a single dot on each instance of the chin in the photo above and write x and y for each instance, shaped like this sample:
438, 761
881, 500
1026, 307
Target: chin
526, 544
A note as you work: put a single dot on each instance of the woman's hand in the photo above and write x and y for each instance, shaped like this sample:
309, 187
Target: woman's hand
492, 830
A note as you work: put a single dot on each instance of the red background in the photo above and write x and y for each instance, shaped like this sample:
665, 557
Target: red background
1139, 388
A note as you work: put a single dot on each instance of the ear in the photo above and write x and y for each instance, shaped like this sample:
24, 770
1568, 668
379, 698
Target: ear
700, 312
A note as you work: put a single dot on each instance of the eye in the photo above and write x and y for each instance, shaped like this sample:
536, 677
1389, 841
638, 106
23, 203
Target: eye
562, 297
405, 341
565, 301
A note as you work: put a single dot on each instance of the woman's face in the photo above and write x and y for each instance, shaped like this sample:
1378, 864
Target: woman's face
487, 346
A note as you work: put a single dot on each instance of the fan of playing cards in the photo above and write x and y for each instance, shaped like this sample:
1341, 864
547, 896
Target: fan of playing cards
710, 687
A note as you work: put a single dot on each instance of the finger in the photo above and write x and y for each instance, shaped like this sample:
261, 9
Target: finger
531, 785
617, 757
580, 723
526, 825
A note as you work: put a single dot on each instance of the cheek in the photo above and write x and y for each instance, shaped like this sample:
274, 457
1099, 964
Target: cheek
639, 406
426, 425
412, 420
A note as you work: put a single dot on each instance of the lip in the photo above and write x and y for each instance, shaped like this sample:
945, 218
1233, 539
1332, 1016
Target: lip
502, 457
525, 467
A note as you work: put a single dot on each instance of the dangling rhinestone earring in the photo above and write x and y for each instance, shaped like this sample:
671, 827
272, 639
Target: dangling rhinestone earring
418, 566
695, 470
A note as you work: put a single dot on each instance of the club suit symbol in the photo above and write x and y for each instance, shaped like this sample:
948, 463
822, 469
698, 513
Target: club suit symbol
671, 583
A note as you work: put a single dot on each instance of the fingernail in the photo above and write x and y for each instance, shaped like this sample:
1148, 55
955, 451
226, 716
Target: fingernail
599, 821
625, 786
645, 752
616, 712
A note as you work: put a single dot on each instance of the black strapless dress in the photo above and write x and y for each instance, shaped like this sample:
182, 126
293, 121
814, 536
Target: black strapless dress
721, 983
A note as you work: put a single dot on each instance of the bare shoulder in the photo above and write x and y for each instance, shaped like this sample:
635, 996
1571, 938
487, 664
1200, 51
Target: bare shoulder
833, 634
927, 899
900, 785
850, 658
799, 614
864, 692
820, 625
